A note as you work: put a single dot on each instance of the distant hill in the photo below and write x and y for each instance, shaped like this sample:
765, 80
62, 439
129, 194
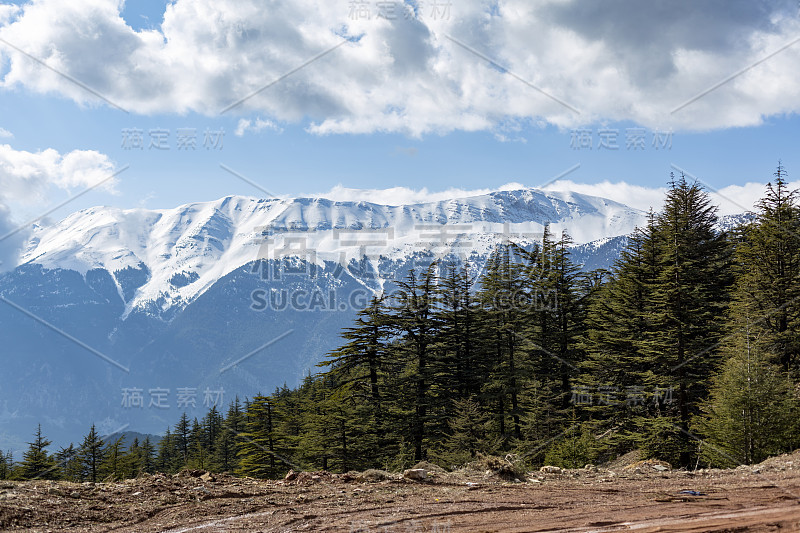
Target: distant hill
129, 436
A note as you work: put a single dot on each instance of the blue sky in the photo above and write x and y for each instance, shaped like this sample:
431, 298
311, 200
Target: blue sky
404, 103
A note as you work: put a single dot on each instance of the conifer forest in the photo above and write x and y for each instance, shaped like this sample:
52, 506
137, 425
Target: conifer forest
688, 349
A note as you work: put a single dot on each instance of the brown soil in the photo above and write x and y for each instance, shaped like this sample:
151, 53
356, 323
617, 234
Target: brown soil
638, 496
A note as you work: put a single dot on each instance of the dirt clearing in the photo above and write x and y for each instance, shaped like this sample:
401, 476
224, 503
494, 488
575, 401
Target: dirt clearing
643, 496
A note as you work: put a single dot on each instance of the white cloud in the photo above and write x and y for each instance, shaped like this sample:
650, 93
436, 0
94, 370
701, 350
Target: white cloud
255, 126
11, 241
7, 12
27, 178
735, 199
730, 200
621, 60
5, 134
635, 196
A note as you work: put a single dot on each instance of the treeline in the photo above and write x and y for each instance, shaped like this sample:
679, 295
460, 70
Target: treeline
688, 349
211, 443
94, 460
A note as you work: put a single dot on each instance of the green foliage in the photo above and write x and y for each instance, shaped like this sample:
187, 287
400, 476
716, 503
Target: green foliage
167, 453
576, 449
146, 457
69, 463
223, 457
689, 298
139, 458
258, 453
6, 465
36, 462
229, 440
113, 465
616, 324
655, 325
414, 315
198, 447
469, 435
182, 440
91, 455
664, 440
752, 413
768, 255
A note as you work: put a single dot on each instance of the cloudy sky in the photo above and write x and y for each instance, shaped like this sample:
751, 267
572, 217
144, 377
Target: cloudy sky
161, 103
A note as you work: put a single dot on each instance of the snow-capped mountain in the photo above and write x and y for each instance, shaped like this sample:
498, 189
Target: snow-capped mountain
180, 253
110, 305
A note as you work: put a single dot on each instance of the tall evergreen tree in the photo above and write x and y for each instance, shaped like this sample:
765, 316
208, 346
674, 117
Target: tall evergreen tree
147, 454
113, 463
168, 455
212, 425
36, 462
616, 323
67, 460
6, 465
360, 362
690, 296
359, 369
414, 317
317, 444
258, 452
224, 454
502, 297
288, 419
550, 329
182, 435
132, 462
342, 433
234, 423
198, 447
753, 411
563, 280
459, 338
91, 454
769, 258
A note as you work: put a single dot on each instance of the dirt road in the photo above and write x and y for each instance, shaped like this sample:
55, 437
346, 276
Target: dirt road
633, 498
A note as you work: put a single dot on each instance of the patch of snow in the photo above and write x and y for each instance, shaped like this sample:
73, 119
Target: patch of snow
211, 239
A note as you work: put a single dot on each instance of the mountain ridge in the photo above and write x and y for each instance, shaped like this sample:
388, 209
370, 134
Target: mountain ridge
203, 241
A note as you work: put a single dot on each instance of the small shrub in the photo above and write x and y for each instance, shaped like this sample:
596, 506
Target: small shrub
664, 441
574, 451
505, 469
373, 475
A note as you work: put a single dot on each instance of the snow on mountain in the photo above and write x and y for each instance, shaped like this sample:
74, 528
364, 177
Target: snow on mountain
184, 251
